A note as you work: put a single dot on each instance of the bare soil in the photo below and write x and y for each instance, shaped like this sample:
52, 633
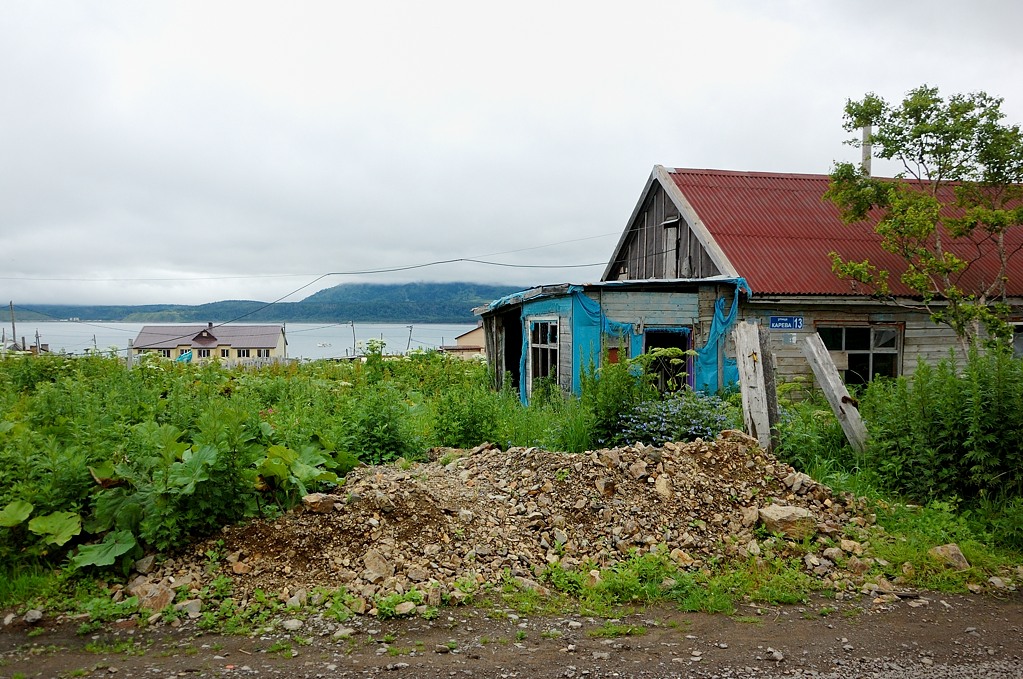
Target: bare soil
949, 636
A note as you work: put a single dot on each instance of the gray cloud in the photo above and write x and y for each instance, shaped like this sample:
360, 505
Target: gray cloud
198, 141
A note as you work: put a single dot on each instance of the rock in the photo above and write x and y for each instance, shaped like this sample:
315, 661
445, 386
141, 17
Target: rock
798, 482
156, 598
997, 582
240, 568
605, 487
951, 556
681, 558
344, 633
404, 608
145, 564
851, 547
8, 619
750, 516
662, 486
377, 566
795, 523
292, 624
833, 554
857, 566
33, 616
192, 608
321, 503
638, 470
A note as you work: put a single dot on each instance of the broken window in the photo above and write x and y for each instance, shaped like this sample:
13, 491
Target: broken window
543, 351
869, 351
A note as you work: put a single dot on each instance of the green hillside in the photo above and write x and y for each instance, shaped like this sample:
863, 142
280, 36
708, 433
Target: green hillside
363, 302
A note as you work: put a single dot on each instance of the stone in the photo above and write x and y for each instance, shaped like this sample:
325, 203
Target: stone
950, 555
857, 566
795, 523
33, 616
605, 487
798, 482
145, 564
320, 503
750, 516
404, 608
681, 558
240, 568
292, 624
192, 608
344, 632
638, 470
997, 582
662, 486
377, 567
156, 598
851, 547
8, 619
833, 554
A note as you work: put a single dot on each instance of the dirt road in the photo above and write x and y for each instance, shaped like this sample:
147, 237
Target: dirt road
936, 636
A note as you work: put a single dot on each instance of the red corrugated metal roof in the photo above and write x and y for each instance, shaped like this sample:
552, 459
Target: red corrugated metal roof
777, 232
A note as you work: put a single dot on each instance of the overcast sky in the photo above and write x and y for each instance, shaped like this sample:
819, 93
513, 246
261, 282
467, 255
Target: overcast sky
187, 152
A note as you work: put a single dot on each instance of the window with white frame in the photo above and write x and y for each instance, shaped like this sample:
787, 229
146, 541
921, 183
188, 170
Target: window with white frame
182, 352
543, 350
262, 353
165, 352
870, 350
204, 353
243, 353
225, 353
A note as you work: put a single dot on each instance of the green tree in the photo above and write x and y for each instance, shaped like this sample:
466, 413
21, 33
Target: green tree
960, 184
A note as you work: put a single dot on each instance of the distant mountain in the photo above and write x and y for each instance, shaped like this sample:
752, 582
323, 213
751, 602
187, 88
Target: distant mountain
364, 302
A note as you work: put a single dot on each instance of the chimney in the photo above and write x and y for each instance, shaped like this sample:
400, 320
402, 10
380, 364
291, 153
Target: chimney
209, 326
866, 148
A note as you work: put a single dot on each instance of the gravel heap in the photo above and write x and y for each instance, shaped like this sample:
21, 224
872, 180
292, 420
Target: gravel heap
473, 517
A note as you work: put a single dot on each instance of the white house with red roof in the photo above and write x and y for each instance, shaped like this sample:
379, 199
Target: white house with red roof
705, 249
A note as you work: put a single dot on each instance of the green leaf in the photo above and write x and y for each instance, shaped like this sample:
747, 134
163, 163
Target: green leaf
56, 528
193, 469
14, 513
105, 553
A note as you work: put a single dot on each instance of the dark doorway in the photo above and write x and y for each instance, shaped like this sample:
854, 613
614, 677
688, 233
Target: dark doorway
512, 324
670, 374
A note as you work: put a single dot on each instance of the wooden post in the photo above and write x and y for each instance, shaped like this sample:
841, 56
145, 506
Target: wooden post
130, 358
749, 356
843, 405
770, 382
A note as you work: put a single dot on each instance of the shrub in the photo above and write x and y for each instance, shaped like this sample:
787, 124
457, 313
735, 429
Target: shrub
684, 416
944, 432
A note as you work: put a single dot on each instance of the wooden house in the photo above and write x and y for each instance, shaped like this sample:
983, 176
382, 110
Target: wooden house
226, 343
706, 249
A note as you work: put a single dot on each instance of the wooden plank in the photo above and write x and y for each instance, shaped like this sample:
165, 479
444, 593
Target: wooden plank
770, 380
713, 251
838, 397
752, 386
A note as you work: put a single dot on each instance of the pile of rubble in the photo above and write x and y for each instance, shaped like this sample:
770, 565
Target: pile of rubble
472, 517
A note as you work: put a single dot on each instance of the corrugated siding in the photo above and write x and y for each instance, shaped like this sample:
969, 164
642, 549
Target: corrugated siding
777, 232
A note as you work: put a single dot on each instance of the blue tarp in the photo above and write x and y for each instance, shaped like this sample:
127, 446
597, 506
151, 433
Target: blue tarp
589, 323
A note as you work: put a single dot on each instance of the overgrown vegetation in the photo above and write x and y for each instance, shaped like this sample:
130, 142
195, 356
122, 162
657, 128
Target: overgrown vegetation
102, 462
946, 438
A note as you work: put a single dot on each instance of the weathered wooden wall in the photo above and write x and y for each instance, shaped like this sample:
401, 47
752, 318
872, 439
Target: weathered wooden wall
921, 337
654, 250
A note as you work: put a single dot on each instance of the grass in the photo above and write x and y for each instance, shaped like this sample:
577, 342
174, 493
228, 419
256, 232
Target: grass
614, 631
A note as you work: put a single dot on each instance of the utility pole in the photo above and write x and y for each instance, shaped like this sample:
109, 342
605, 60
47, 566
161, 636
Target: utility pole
14, 331
409, 345
355, 350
